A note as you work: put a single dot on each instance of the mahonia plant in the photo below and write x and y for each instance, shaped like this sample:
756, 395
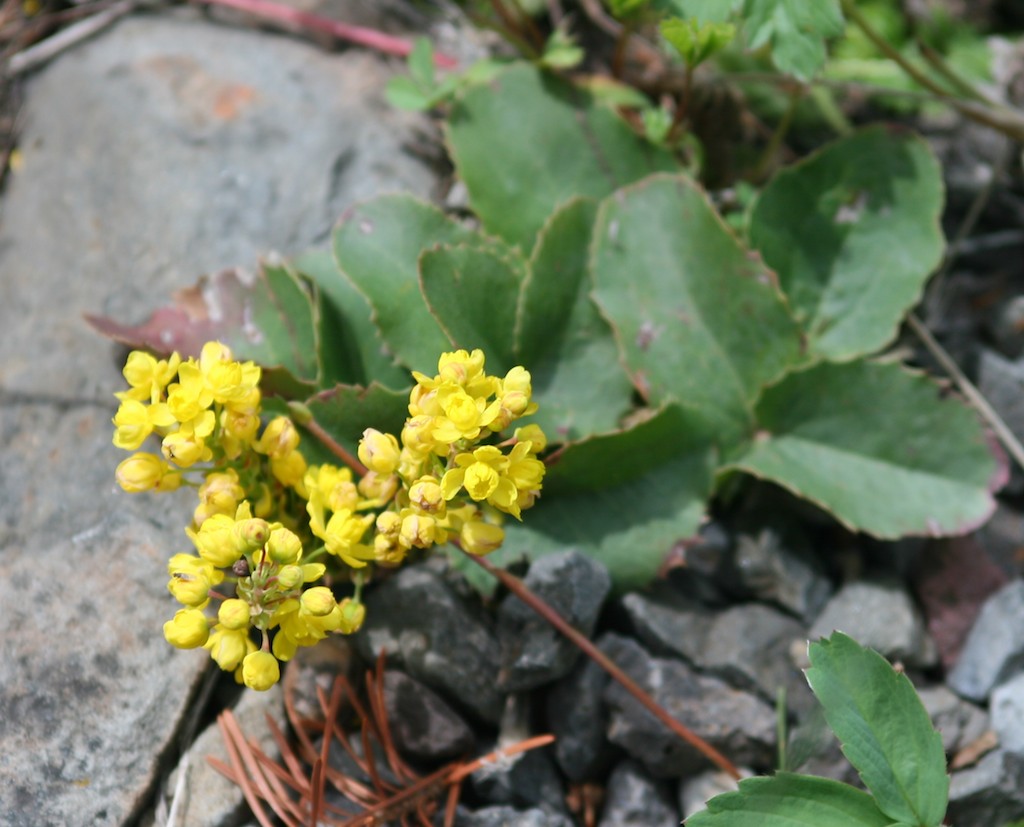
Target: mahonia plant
268, 526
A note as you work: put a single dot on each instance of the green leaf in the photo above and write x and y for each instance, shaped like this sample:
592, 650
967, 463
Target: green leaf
884, 729
345, 411
625, 498
528, 141
696, 318
377, 246
472, 292
696, 41
790, 800
421, 62
796, 31
876, 445
563, 340
351, 351
402, 92
712, 11
853, 233
561, 51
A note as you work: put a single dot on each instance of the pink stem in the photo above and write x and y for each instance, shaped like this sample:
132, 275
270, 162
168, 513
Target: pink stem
354, 34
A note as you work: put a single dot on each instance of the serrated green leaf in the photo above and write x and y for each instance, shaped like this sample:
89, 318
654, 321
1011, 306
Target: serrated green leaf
790, 800
696, 318
345, 411
351, 351
853, 233
472, 293
528, 141
563, 340
696, 41
877, 447
402, 92
625, 498
796, 31
377, 246
884, 729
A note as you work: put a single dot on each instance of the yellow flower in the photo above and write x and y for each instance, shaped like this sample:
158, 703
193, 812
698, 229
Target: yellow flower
135, 421
534, 435
352, 616
481, 474
188, 629
146, 472
191, 579
478, 537
343, 535
189, 397
234, 614
378, 451
260, 671
289, 469
185, 447
419, 530
219, 494
284, 546
318, 601
148, 377
228, 381
425, 495
280, 438
330, 487
228, 646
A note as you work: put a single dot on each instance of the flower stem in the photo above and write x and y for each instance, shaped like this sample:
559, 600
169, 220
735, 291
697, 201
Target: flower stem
334, 447
520, 590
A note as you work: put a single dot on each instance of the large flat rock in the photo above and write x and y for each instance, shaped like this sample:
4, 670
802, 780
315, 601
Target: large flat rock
167, 147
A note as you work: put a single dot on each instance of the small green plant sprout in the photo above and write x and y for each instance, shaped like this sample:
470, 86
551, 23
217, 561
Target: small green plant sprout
885, 733
696, 41
269, 526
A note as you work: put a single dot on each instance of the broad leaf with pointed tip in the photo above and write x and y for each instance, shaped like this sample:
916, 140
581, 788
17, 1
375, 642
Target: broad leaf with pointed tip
625, 497
885, 731
561, 337
527, 141
345, 411
853, 234
876, 446
696, 318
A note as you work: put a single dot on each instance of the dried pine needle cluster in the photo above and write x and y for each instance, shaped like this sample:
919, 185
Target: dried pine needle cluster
268, 526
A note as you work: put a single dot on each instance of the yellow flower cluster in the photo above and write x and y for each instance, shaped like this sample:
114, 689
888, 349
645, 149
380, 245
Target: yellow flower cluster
449, 476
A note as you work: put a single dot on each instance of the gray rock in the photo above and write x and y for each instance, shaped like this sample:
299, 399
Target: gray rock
699, 569
1007, 711
578, 718
529, 780
960, 723
771, 570
533, 652
427, 629
634, 799
207, 798
748, 646
881, 616
423, 726
1002, 383
511, 817
697, 790
989, 794
994, 650
159, 150
736, 723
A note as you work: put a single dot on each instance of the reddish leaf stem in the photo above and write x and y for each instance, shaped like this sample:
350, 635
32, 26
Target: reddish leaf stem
335, 447
359, 35
520, 590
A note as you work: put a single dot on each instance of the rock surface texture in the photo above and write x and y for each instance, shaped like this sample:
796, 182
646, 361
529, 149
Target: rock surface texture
164, 148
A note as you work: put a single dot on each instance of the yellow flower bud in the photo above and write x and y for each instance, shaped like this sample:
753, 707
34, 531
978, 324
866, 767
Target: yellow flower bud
279, 438
318, 601
284, 546
188, 629
228, 647
534, 435
234, 614
185, 448
379, 452
250, 534
288, 577
215, 541
425, 495
145, 472
478, 537
378, 488
289, 469
418, 530
352, 615
260, 671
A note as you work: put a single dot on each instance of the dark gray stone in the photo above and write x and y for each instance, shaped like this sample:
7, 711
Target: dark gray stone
634, 799
698, 568
511, 817
772, 570
422, 725
959, 722
1007, 710
736, 723
438, 637
533, 652
994, 650
881, 616
529, 780
578, 718
748, 646
989, 794
1002, 384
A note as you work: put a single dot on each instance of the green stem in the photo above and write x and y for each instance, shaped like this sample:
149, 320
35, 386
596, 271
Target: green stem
781, 130
519, 589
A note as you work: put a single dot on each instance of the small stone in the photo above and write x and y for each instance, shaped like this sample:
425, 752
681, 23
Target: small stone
960, 723
578, 718
1001, 382
736, 723
533, 652
994, 650
511, 817
529, 780
990, 793
1008, 714
697, 568
880, 616
696, 791
634, 799
435, 635
315, 668
422, 725
770, 569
